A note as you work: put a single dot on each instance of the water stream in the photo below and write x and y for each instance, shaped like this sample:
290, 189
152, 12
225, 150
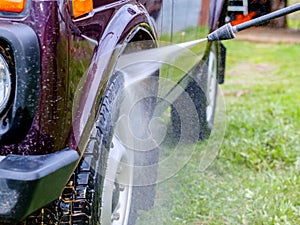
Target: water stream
140, 64
142, 88
145, 91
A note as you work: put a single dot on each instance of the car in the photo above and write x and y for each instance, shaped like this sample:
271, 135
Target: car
62, 158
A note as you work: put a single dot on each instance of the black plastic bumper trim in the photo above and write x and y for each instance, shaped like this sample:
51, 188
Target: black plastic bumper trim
28, 183
24, 45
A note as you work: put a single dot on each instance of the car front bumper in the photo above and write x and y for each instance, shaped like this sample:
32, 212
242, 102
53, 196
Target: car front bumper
28, 183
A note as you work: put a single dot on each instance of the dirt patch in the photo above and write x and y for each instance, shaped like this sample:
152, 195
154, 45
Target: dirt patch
244, 69
252, 73
269, 35
236, 94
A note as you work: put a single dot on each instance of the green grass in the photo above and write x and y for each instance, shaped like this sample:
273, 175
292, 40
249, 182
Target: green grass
293, 20
256, 177
268, 85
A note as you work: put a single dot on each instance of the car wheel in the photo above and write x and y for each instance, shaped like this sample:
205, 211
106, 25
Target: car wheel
203, 97
116, 196
111, 184
130, 173
115, 191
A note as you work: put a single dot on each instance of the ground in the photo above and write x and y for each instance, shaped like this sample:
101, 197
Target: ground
270, 35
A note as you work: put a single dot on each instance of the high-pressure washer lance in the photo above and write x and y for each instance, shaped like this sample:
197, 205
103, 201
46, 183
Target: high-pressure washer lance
228, 31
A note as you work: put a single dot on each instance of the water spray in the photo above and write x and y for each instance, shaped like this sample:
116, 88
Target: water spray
147, 61
228, 31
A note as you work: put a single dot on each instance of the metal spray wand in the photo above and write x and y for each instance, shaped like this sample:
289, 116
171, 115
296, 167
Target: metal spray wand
228, 31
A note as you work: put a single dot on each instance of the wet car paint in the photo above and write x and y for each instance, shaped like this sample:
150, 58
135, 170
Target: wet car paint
67, 59
74, 71
61, 50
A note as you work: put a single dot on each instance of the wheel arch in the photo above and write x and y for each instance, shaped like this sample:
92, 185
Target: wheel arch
131, 22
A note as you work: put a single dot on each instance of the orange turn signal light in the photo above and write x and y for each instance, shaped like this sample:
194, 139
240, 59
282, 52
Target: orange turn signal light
15, 6
80, 7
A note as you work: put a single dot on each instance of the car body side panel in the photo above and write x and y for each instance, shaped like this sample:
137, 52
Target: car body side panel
216, 8
68, 61
177, 16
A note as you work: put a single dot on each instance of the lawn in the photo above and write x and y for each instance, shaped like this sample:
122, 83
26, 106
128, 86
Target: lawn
293, 20
255, 178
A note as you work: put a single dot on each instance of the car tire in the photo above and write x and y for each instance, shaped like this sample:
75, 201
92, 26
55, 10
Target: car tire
115, 187
134, 172
113, 196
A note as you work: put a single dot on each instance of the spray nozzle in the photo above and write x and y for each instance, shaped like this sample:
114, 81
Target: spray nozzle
225, 32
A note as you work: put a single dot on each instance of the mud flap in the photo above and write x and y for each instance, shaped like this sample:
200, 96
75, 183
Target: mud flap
222, 63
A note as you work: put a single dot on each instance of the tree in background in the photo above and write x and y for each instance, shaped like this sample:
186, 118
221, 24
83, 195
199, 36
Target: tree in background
280, 22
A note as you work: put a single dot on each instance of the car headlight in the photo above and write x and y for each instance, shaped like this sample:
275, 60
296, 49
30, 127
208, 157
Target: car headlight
5, 83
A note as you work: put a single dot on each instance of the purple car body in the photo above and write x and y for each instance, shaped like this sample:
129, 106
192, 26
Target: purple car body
58, 76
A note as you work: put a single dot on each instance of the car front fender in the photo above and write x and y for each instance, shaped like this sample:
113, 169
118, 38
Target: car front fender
125, 20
